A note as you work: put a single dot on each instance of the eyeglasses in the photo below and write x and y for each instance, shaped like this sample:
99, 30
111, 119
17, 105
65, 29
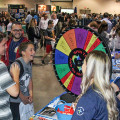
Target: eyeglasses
17, 30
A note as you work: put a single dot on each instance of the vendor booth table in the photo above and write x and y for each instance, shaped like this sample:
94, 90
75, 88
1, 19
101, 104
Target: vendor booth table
48, 115
71, 48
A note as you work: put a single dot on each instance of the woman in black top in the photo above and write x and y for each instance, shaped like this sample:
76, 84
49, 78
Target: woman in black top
33, 32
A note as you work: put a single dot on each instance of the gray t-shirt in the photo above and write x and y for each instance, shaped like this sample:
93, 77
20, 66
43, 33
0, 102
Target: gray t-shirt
5, 82
24, 80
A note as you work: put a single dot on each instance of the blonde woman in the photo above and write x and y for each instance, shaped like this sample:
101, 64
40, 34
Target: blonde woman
33, 32
97, 100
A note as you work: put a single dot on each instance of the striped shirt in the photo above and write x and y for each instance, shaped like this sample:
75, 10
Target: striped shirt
5, 82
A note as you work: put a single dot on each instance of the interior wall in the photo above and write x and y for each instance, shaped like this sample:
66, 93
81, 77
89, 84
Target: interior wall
30, 4
98, 6
63, 4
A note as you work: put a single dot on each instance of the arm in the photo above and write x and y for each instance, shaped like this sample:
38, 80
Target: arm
84, 111
15, 71
39, 26
49, 38
38, 36
27, 99
116, 88
27, 19
30, 87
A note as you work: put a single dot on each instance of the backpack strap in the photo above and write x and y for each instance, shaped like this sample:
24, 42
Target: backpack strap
21, 68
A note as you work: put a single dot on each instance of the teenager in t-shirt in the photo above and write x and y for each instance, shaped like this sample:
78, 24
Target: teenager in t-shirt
26, 49
49, 36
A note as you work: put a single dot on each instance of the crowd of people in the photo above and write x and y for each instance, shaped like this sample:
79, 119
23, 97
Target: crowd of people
17, 55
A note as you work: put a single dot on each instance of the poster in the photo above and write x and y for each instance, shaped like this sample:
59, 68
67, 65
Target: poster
41, 8
16, 11
53, 8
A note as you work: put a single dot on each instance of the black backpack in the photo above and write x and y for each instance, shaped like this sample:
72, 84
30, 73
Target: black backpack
21, 68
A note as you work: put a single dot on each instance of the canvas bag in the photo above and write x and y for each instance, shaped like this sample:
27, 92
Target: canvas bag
26, 111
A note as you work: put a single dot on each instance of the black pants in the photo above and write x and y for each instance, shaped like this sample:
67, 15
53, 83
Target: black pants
15, 110
27, 28
42, 42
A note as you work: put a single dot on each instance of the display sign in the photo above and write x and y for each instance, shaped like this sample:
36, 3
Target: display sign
41, 8
67, 11
17, 12
53, 8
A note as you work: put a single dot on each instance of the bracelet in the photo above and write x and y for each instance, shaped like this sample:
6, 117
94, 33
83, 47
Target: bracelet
117, 92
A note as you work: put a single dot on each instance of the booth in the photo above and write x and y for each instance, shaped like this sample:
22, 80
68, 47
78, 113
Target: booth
17, 12
46, 9
70, 51
40, 9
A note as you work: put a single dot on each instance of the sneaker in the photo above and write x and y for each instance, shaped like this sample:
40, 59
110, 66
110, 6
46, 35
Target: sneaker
43, 62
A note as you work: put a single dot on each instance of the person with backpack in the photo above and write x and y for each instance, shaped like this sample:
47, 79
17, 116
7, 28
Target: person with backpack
26, 50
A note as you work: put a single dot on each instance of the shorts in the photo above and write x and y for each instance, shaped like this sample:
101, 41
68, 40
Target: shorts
48, 48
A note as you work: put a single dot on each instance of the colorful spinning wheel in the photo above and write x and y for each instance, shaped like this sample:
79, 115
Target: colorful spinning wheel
70, 50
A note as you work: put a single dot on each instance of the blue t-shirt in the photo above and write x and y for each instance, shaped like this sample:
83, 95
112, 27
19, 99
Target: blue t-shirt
13, 49
91, 106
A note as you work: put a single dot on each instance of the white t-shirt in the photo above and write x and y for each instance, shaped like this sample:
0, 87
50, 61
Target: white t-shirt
43, 24
55, 21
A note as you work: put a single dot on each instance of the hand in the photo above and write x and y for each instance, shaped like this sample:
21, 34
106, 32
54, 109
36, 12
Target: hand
53, 40
30, 99
74, 106
114, 28
15, 72
25, 99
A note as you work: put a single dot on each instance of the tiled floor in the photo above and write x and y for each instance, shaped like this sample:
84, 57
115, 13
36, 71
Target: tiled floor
45, 83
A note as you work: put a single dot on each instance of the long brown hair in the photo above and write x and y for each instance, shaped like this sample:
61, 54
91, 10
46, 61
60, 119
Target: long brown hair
32, 23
